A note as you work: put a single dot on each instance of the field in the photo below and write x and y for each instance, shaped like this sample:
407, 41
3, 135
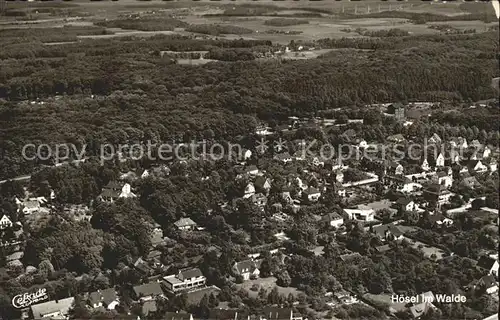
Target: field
279, 22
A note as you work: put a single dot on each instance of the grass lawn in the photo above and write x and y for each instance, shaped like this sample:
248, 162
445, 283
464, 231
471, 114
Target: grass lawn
268, 284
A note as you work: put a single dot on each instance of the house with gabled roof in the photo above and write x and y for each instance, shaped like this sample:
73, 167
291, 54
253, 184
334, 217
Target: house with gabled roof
106, 298
247, 269
487, 283
55, 309
148, 291
262, 184
179, 316
435, 139
396, 138
185, 224
405, 204
5, 222
388, 232
114, 190
283, 157
312, 194
489, 264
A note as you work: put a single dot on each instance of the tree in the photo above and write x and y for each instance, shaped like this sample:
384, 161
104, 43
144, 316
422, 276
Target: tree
477, 204
283, 279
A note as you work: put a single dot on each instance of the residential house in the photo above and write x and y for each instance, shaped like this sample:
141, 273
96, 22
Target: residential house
106, 298
262, 184
360, 214
312, 194
228, 314
437, 194
28, 206
180, 316
249, 190
252, 170
339, 176
420, 309
393, 168
246, 154
247, 269
283, 157
334, 219
440, 220
185, 224
5, 222
398, 110
383, 248
470, 182
435, 139
55, 309
156, 236
486, 152
388, 232
339, 189
423, 305
425, 165
444, 178
114, 190
362, 144
487, 283
489, 264
143, 267
259, 199
185, 280
405, 204
475, 166
149, 307
148, 291
275, 313
396, 138
460, 143
440, 160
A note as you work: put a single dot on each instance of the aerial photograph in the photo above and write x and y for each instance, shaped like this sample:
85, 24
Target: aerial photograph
249, 159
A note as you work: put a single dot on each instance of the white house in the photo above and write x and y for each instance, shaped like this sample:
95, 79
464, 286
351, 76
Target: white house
5, 222
247, 269
185, 280
425, 165
246, 154
440, 160
486, 152
185, 224
249, 190
478, 166
445, 179
335, 220
362, 144
360, 214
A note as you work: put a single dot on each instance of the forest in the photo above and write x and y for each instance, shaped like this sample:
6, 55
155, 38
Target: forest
221, 99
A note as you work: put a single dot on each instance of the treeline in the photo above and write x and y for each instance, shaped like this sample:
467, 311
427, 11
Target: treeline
284, 22
217, 29
424, 17
145, 24
45, 35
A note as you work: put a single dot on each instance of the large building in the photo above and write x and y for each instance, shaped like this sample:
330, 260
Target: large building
184, 280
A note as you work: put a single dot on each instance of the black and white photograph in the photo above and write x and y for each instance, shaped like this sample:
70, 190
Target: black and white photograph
249, 159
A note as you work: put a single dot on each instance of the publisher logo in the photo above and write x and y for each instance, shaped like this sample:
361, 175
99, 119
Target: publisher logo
25, 300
